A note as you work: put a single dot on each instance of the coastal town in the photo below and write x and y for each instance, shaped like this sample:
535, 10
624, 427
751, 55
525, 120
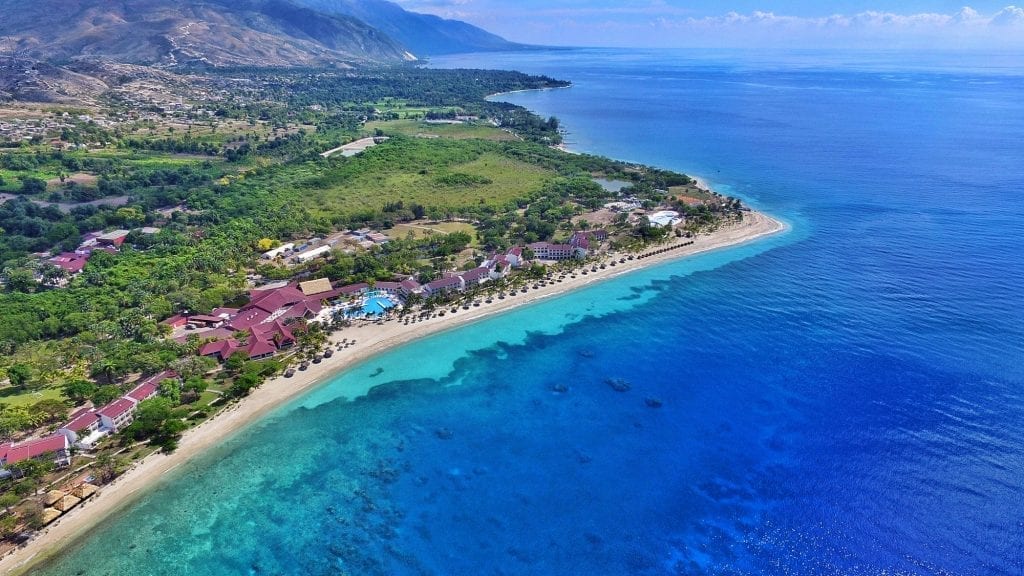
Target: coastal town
235, 291
276, 322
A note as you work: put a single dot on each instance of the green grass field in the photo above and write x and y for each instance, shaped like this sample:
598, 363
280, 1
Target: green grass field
422, 230
435, 173
11, 398
506, 179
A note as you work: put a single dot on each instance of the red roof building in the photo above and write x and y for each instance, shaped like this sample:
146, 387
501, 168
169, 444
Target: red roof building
55, 445
83, 420
272, 300
176, 321
70, 262
549, 251
410, 286
443, 285
115, 238
476, 276
353, 289
118, 413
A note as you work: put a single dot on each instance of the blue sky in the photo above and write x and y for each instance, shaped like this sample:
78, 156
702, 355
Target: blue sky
743, 23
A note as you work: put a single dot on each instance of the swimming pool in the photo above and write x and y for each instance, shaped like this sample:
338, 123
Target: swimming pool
377, 304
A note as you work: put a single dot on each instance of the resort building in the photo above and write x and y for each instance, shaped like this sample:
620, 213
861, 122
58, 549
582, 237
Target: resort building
409, 286
54, 446
444, 286
257, 342
475, 277
549, 251
118, 414
392, 288
584, 238
515, 256
89, 425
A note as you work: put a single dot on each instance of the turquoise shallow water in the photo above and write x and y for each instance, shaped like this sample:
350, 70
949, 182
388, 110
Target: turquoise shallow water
843, 399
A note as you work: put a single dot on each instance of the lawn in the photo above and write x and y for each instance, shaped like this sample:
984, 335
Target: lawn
439, 173
424, 229
690, 192
11, 397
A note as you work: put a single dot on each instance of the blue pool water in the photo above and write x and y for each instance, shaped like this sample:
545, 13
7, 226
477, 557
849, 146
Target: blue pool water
377, 305
845, 399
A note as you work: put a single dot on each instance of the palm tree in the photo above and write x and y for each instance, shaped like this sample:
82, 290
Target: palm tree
107, 368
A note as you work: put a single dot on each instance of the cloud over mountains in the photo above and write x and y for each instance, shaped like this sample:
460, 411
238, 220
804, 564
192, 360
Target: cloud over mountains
666, 23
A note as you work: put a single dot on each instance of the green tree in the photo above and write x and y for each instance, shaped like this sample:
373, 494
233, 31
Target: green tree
236, 362
19, 375
32, 186
244, 384
193, 389
49, 411
79, 390
105, 394
109, 467
150, 416
20, 280
171, 390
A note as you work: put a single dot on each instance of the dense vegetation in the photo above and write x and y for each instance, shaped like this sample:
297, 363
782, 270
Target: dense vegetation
240, 179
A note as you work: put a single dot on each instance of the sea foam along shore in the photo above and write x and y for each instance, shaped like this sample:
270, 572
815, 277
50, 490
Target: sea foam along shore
372, 339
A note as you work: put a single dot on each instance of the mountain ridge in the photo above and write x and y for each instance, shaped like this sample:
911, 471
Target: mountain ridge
194, 32
423, 34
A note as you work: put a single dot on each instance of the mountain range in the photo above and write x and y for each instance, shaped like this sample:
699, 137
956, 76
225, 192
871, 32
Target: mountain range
422, 34
170, 33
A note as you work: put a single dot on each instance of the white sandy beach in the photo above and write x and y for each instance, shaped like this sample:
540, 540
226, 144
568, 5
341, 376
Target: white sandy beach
371, 340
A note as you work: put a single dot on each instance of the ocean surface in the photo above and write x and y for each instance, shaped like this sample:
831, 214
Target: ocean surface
847, 398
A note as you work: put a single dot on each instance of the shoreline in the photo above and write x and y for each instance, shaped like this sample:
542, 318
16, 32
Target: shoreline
372, 339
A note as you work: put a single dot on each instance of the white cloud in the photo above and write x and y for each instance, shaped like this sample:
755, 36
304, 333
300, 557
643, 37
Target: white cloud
877, 29
668, 23
1009, 16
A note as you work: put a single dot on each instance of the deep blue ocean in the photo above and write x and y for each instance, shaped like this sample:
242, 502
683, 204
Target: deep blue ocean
847, 398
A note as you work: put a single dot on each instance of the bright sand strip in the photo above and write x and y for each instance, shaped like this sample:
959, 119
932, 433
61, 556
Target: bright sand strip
371, 339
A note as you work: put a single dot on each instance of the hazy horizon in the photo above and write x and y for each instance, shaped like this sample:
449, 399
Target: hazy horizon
937, 24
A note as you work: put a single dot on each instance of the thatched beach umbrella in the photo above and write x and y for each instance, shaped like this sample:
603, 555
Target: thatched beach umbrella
84, 490
67, 503
52, 497
49, 515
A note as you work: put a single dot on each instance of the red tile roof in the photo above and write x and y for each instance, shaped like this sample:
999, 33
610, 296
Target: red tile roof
260, 348
354, 288
271, 300
82, 421
222, 347
13, 453
143, 391
176, 320
476, 274
117, 408
70, 262
205, 319
248, 318
444, 283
